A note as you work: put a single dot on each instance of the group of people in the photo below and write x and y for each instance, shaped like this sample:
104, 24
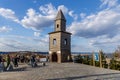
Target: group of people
7, 62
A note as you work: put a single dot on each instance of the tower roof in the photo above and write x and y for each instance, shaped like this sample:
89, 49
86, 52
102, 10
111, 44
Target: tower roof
60, 15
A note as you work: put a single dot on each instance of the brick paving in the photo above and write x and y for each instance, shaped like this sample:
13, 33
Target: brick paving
63, 71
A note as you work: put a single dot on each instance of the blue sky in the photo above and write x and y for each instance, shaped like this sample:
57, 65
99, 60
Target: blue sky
25, 24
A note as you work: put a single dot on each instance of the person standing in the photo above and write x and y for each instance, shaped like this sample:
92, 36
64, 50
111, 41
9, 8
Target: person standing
15, 61
0, 58
33, 63
2, 67
8, 61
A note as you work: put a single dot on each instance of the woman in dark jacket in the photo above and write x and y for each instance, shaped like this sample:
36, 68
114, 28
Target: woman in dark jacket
15, 61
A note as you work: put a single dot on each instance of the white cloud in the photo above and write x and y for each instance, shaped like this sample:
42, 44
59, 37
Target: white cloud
74, 16
48, 9
102, 28
103, 40
36, 21
82, 48
63, 8
32, 19
82, 15
37, 34
11, 45
42, 19
5, 29
105, 22
108, 3
105, 43
8, 14
16, 43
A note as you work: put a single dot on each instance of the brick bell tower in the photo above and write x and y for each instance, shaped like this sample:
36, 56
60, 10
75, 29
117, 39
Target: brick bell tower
60, 41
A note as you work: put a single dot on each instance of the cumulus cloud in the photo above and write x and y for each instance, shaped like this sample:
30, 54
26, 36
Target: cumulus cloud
8, 14
74, 16
42, 19
101, 29
63, 8
5, 29
108, 3
48, 9
105, 22
37, 34
105, 43
104, 40
82, 15
35, 20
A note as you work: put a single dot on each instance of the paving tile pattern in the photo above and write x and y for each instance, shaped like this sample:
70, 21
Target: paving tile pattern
63, 71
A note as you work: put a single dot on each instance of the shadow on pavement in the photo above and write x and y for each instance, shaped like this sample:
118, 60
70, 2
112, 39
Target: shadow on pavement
17, 69
38, 66
20, 69
87, 76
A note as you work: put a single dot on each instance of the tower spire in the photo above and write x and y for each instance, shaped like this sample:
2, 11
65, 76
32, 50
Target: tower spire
60, 15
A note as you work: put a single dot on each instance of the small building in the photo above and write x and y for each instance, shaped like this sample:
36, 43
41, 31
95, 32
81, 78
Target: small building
60, 41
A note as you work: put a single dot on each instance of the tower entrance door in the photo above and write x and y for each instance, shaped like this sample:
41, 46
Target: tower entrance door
54, 57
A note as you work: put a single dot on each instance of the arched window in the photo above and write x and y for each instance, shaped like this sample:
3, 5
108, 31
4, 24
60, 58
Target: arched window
65, 41
57, 25
54, 41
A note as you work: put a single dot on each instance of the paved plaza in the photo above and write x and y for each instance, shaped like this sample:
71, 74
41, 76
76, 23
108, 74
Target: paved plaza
60, 71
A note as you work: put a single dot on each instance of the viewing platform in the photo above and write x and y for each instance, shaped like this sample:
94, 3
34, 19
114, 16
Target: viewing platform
62, 71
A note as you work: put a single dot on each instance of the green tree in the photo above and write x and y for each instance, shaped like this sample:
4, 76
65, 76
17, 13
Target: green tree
113, 64
86, 60
116, 54
78, 59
